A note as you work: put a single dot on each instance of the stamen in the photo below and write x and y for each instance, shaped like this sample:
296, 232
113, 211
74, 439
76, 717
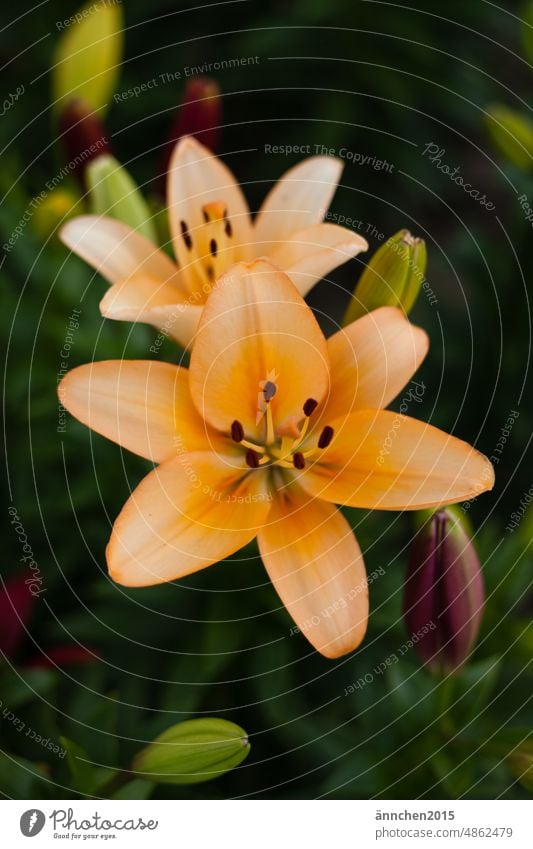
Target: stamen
228, 229
270, 436
298, 460
237, 431
206, 216
186, 235
213, 247
210, 273
269, 390
310, 406
252, 458
325, 437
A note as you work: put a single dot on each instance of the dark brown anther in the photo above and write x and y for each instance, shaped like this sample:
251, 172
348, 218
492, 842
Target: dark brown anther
298, 460
237, 431
210, 273
325, 437
228, 229
186, 235
269, 390
252, 458
206, 216
310, 406
213, 247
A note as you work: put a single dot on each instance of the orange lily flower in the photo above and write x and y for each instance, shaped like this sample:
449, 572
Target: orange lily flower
211, 229
269, 428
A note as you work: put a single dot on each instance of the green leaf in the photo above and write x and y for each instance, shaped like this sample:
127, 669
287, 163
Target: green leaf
83, 772
136, 789
87, 59
193, 751
113, 192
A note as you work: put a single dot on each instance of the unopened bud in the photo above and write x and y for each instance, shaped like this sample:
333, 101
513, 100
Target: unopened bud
512, 133
393, 277
56, 208
113, 192
444, 593
82, 137
193, 751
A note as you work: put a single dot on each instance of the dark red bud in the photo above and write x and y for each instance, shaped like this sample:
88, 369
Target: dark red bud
63, 656
83, 137
444, 593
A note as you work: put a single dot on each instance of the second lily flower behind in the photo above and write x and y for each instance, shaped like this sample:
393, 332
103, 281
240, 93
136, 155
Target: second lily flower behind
270, 427
211, 229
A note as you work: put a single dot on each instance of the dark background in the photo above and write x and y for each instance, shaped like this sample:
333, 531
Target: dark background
377, 78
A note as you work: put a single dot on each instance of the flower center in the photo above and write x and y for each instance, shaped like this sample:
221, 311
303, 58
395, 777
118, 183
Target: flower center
210, 246
281, 447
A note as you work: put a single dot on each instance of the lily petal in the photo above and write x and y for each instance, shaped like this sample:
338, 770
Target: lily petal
298, 200
159, 304
309, 255
381, 460
116, 251
254, 328
190, 512
372, 360
317, 568
144, 406
197, 177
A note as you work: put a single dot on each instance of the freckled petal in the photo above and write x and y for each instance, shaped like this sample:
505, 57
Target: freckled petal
317, 568
159, 304
197, 177
309, 255
299, 199
190, 512
142, 405
385, 461
256, 327
116, 251
372, 360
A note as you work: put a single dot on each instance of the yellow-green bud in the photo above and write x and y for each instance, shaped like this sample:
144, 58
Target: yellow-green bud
56, 208
393, 277
113, 192
520, 762
193, 751
512, 133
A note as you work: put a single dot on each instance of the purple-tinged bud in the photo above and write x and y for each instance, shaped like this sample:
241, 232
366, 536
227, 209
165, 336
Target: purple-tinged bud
444, 592
199, 115
82, 135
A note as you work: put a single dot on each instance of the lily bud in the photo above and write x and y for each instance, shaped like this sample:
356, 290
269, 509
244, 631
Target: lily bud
54, 211
82, 136
193, 751
199, 115
17, 601
444, 593
113, 192
520, 762
393, 277
512, 134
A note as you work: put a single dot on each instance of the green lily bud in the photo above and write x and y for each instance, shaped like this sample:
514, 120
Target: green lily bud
87, 58
193, 751
54, 210
113, 192
392, 278
512, 133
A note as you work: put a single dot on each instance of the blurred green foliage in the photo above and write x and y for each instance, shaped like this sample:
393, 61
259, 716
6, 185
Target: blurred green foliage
374, 78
